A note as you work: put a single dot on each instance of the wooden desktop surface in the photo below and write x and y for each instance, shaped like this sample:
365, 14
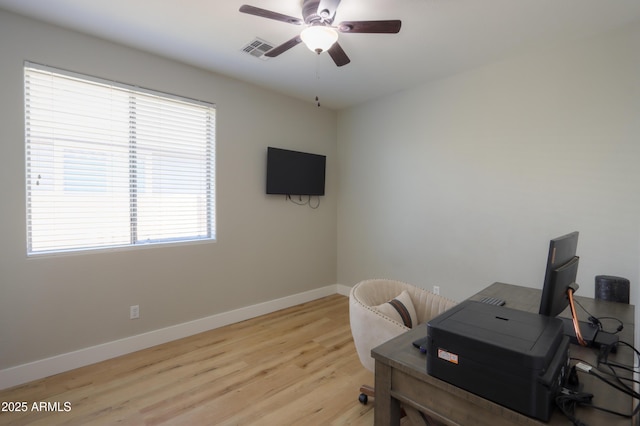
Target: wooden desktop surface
401, 373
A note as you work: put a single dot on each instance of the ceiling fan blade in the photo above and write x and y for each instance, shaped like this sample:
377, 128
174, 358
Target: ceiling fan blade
338, 55
327, 9
264, 13
388, 27
283, 47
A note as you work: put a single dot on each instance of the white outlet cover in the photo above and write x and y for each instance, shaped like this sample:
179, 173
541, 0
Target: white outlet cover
134, 312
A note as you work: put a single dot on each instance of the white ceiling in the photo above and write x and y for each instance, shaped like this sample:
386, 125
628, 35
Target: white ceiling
438, 37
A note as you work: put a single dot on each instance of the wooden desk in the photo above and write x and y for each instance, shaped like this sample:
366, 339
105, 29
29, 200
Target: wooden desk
401, 377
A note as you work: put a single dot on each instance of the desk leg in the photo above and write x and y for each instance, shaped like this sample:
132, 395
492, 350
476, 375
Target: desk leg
387, 409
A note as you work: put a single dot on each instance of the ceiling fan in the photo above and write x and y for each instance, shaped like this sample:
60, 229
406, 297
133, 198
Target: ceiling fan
320, 34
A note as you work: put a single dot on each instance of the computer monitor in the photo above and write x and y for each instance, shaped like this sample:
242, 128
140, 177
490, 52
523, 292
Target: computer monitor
561, 272
560, 277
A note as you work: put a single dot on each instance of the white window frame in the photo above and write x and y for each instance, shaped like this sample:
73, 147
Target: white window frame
110, 165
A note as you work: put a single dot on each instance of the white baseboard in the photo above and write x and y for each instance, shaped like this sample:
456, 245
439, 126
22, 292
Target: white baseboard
24, 373
343, 290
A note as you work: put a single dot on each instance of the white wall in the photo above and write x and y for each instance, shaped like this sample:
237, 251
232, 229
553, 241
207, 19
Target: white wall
266, 248
463, 181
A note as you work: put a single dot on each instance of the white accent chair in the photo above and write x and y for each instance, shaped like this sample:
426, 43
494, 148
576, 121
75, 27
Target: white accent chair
370, 327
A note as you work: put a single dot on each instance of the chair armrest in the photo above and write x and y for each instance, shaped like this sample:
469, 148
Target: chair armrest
370, 328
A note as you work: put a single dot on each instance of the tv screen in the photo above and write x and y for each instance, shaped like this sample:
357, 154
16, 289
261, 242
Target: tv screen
294, 172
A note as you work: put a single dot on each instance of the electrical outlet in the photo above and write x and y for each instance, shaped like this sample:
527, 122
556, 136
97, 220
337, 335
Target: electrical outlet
134, 312
436, 289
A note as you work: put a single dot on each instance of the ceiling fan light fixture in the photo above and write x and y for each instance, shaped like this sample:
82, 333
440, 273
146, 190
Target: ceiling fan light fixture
319, 38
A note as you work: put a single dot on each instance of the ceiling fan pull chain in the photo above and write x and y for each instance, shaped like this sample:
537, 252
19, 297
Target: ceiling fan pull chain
317, 80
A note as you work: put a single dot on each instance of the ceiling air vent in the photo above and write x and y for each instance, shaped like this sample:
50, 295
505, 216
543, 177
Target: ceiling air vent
258, 47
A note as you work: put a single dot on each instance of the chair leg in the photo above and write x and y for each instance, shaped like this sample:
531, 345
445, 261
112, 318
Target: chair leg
366, 391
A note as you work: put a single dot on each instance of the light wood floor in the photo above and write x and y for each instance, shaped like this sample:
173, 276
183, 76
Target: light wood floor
292, 367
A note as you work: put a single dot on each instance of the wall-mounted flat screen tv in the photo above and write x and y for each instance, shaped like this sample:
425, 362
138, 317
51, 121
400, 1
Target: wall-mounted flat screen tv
294, 172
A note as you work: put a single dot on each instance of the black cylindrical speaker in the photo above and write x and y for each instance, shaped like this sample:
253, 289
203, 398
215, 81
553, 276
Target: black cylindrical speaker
613, 289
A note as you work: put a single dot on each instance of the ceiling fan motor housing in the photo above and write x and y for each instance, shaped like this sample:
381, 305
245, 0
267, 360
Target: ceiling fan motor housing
313, 16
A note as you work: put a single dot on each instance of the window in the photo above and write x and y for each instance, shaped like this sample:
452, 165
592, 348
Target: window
111, 165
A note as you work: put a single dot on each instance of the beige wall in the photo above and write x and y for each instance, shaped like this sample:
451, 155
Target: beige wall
266, 248
463, 181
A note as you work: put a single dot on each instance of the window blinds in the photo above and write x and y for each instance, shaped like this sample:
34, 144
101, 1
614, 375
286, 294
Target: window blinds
112, 165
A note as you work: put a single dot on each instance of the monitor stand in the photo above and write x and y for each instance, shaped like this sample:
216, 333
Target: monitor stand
587, 330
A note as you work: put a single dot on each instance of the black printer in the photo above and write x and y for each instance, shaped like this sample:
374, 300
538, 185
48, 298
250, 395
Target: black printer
514, 358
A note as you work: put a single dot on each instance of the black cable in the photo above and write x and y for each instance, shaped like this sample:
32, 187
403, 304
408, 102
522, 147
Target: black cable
603, 358
567, 401
618, 328
616, 376
317, 205
589, 369
300, 203
303, 203
622, 388
597, 320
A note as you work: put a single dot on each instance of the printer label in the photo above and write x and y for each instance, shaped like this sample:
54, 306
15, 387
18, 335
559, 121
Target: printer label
447, 356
